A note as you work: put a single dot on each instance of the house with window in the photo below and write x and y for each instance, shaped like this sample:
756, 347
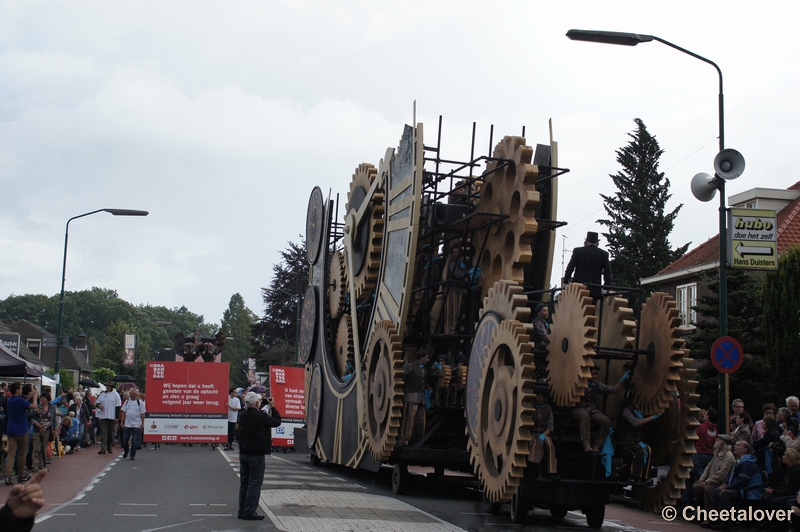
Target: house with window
683, 279
40, 348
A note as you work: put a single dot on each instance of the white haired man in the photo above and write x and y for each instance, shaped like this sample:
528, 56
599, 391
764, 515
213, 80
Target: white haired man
793, 404
255, 441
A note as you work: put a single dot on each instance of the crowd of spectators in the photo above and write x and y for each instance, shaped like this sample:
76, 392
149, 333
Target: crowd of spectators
755, 465
40, 428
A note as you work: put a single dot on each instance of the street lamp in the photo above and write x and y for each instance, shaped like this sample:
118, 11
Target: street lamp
115, 212
632, 39
297, 322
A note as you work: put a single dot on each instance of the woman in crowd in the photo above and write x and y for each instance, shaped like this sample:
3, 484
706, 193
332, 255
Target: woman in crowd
68, 434
742, 432
762, 447
777, 498
758, 430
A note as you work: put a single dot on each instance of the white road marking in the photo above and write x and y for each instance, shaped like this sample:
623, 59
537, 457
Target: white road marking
135, 515
170, 526
137, 504
70, 503
322, 499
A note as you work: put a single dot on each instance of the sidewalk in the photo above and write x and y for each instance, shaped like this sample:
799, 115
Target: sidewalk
68, 475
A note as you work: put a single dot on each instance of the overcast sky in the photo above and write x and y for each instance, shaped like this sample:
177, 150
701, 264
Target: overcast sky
220, 117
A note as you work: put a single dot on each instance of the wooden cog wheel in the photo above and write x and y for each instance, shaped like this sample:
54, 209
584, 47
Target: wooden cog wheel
617, 330
506, 404
657, 373
510, 190
344, 350
673, 443
506, 298
445, 375
368, 240
337, 285
384, 389
461, 374
572, 337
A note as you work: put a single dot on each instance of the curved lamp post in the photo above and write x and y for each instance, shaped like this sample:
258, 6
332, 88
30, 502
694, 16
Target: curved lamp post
632, 39
115, 212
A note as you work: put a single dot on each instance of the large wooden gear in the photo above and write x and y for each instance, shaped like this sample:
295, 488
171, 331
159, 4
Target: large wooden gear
658, 373
505, 407
570, 353
383, 389
337, 285
672, 441
368, 240
445, 376
506, 298
343, 347
617, 330
510, 190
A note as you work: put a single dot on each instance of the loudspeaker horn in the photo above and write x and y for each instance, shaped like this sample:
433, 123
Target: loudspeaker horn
729, 164
703, 187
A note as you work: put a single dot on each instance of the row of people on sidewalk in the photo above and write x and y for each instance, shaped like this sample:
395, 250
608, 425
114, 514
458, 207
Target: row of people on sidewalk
34, 426
758, 464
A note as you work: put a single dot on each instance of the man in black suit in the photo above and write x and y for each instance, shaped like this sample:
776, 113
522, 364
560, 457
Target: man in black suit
588, 263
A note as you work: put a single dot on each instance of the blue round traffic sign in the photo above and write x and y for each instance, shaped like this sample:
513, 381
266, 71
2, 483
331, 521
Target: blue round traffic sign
727, 354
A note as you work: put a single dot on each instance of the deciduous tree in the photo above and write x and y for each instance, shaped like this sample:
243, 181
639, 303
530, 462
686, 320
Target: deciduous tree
237, 324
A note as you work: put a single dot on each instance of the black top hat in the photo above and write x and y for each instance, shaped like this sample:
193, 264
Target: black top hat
592, 237
421, 353
541, 387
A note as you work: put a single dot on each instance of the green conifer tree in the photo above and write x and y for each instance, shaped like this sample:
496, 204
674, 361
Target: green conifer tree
638, 226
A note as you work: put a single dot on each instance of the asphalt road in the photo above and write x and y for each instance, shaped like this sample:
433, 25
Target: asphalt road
180, 488
174, 488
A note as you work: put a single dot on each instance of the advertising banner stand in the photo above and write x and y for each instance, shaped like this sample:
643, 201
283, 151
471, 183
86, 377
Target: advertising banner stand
186, 403
286, 387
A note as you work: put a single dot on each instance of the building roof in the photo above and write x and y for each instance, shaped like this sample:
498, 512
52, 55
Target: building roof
707, 253
789, 224
71, 358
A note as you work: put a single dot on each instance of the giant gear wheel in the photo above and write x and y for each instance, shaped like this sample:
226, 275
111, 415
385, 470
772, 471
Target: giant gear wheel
505, 405
507, 300
616, 330
570, 352
368, 240
510, 190
383, 389
337, 285
672, 440
343, 348
657, 375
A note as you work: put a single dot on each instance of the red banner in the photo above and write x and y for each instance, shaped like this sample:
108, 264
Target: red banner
286, 387
186, 403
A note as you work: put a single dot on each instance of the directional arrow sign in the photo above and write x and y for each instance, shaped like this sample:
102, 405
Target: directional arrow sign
754, 249
752, 239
